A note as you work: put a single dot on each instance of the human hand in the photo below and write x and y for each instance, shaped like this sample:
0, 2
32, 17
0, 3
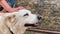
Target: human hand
16, 9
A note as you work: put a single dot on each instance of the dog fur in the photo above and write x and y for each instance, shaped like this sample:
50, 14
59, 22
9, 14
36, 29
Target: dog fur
14, 22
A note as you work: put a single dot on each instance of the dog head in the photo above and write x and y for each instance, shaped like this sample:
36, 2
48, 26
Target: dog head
29, 19
24, 18
19, 21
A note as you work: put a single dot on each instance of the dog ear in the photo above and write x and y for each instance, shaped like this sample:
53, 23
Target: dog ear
12, 18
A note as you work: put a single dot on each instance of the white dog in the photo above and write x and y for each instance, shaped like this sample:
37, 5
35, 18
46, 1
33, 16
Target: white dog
13, 23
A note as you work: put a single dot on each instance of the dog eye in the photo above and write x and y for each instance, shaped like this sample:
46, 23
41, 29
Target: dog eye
26, 14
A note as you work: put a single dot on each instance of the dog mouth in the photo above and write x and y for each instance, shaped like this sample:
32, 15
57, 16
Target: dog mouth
31, 25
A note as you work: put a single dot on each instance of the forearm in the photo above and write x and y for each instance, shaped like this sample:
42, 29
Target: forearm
5, 5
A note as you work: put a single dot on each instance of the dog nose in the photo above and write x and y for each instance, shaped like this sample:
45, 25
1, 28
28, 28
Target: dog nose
38, 17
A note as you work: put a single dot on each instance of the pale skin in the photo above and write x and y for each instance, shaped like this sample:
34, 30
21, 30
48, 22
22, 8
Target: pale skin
7, 7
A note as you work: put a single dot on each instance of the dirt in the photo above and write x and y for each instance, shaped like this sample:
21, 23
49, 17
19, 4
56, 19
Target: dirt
48, 9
